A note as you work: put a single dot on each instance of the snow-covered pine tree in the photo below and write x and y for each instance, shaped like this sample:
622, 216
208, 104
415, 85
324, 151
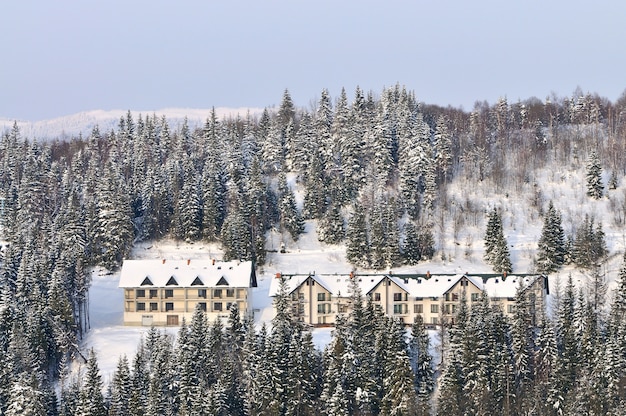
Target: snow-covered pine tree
91, 399
120, 389
330, 229
357, 244
290, 218
496, 246
589, 247
595, 188
443, 148
421, 364
551, 245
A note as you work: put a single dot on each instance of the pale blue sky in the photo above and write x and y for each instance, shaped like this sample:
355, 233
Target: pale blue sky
62, 57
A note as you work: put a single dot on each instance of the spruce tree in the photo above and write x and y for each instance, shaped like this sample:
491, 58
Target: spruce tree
595, 188
551, 245
330, 229
496, 246
357, 245
290, 218
421, 363
91, 398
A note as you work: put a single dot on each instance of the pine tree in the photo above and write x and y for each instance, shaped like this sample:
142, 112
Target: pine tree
595, 188
330, 229
400, 397
91, 398
357, 246
290, 218
421, 363
443, 148
523, 347
26, 399
589, 247
496, 246
120, 389
551, 245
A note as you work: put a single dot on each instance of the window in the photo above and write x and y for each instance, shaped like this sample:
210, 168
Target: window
434, 320
202, 293
169, 293
154, 306
510, 308
140, 293
230, 293
342, 308
434, 308
474, 297
141, 306
446, 309
397, 297
169, 306
447, 297
323, 308
228, 305
321, 297
455, 297
419, 308
377, 297
454, 308
399, 308
153, 293
217, 306
217, 293
202, 306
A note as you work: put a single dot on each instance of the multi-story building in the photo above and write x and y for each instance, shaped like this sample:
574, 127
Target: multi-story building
163, 292
318, 299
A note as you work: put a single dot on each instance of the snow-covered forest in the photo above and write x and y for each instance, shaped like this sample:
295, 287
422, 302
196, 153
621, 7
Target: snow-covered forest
392, 180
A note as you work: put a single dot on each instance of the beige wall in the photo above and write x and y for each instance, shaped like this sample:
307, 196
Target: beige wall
168, 306
396, 302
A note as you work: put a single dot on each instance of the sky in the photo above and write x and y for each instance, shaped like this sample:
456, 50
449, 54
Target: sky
65, 57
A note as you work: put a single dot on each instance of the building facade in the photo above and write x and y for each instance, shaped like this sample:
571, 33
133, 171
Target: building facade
318, 299
163, 292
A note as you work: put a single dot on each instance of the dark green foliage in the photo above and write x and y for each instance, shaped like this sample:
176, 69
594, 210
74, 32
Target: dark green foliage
496, 247
290, 218
357, 244
589, 247
595, 188
551, 246
71, 204
331, 228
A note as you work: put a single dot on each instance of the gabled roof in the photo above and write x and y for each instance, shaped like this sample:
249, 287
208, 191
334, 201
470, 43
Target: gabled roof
425, 286
185, 273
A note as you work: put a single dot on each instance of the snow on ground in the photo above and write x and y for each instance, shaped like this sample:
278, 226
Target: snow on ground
110, 338
459, 240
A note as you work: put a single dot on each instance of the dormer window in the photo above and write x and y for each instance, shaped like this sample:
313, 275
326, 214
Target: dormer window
197, 282
147, 281
172, 282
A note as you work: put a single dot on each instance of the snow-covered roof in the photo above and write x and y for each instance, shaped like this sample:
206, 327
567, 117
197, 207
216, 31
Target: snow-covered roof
185, 273
414, 285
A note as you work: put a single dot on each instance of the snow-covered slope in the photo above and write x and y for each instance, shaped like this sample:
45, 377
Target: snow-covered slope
84, 122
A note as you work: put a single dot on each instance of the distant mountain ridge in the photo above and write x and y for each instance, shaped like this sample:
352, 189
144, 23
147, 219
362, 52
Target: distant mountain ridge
82, 123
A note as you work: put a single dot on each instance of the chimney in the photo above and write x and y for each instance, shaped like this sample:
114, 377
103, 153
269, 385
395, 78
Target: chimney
278, 275
188, 262
428, 274
163, 261
212, 262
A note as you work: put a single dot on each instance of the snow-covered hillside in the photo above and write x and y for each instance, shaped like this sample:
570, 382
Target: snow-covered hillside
84, 122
